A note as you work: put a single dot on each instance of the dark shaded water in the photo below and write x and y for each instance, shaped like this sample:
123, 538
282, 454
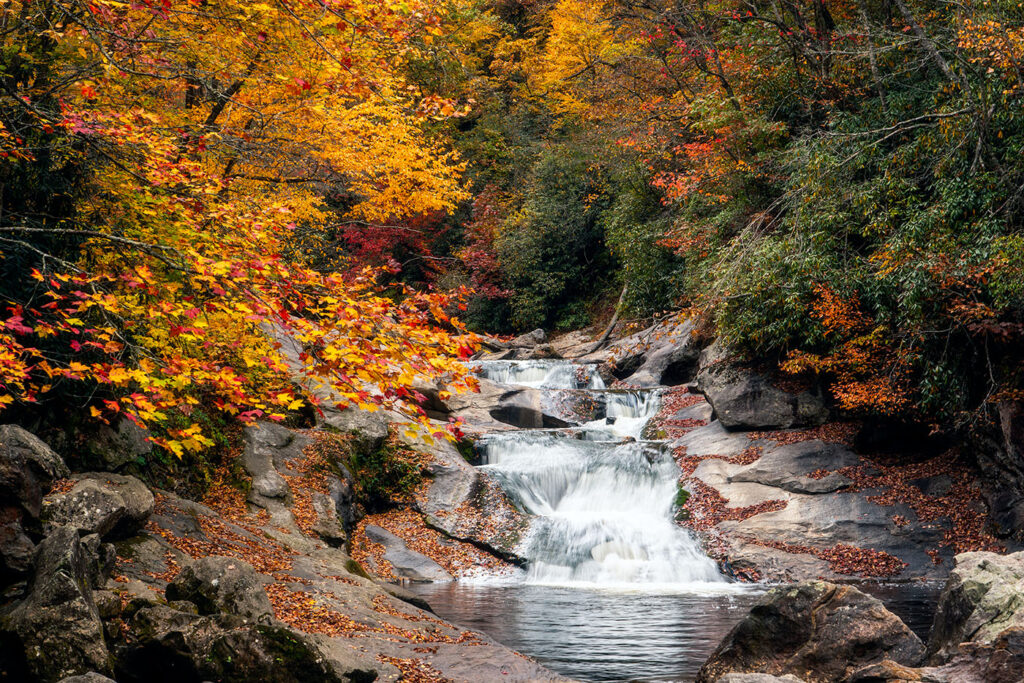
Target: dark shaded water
598, 635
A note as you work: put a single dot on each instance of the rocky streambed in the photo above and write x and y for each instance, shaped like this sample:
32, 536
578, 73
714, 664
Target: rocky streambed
620, 515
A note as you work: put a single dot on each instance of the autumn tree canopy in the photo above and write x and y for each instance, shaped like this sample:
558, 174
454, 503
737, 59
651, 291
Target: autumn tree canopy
159, 158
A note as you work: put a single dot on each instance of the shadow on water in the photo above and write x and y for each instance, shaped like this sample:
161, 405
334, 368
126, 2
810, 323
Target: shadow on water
604, 635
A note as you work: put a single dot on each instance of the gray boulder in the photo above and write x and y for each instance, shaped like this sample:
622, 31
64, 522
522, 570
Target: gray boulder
820, 631
173, 646
744, 400
28, 468
533, 338
369, 429
137, 498
91, 677
114, 446
262, 441
983, 596
405, 563
221, 584
56, 631
328, 525
90, 507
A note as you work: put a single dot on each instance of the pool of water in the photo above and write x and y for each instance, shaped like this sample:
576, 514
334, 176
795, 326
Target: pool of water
617, 635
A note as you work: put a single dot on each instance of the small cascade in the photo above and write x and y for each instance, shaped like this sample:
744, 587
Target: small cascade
540, 374
601, 497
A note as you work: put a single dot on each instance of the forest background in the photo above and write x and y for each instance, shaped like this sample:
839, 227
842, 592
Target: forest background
834, 188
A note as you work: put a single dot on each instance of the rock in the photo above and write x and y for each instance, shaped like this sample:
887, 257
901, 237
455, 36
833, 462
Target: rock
91, 677
104, 558
541, 351
172, 646
261, 441
28, 468
670, 359
787, 467
328, 526
983, 596
815, 627
406, 564
1000, 662
90, 507
138, 500
534, 338
525, 408
221, 584
370, 429
745, 400
114, 446
56, 631
758, 678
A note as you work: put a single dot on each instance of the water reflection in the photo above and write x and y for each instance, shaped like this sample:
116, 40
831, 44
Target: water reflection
603, 635
596, 635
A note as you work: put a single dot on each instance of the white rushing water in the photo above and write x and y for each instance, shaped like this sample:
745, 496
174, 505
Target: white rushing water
602, 500
540, 374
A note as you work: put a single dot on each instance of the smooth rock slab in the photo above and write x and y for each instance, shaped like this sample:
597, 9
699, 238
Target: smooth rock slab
406, 563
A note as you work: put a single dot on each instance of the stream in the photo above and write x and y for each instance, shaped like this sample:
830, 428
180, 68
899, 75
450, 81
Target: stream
613, 588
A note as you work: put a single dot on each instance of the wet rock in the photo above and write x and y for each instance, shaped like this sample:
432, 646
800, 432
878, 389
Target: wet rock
983, 596
28, 468
407, 564
745, 400
818, 630
328, 526
221, 584
172, 646
525, 408
56, 630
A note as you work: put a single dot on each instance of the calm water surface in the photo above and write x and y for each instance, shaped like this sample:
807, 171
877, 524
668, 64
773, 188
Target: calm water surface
615, 635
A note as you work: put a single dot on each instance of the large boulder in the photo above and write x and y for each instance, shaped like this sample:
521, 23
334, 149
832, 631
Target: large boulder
56, 630
262, 441
28, 468
110, 505
819, 631
744, 399
983, 596
221, 584
167, 645
114, 446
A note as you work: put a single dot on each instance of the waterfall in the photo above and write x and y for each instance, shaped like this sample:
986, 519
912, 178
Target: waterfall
600, 498
540, 374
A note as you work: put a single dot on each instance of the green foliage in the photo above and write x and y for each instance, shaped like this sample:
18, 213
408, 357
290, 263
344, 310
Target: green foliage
553, 249
387, 474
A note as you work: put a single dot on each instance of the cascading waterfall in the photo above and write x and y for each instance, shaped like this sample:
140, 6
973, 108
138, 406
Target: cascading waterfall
540, 374
601, 498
